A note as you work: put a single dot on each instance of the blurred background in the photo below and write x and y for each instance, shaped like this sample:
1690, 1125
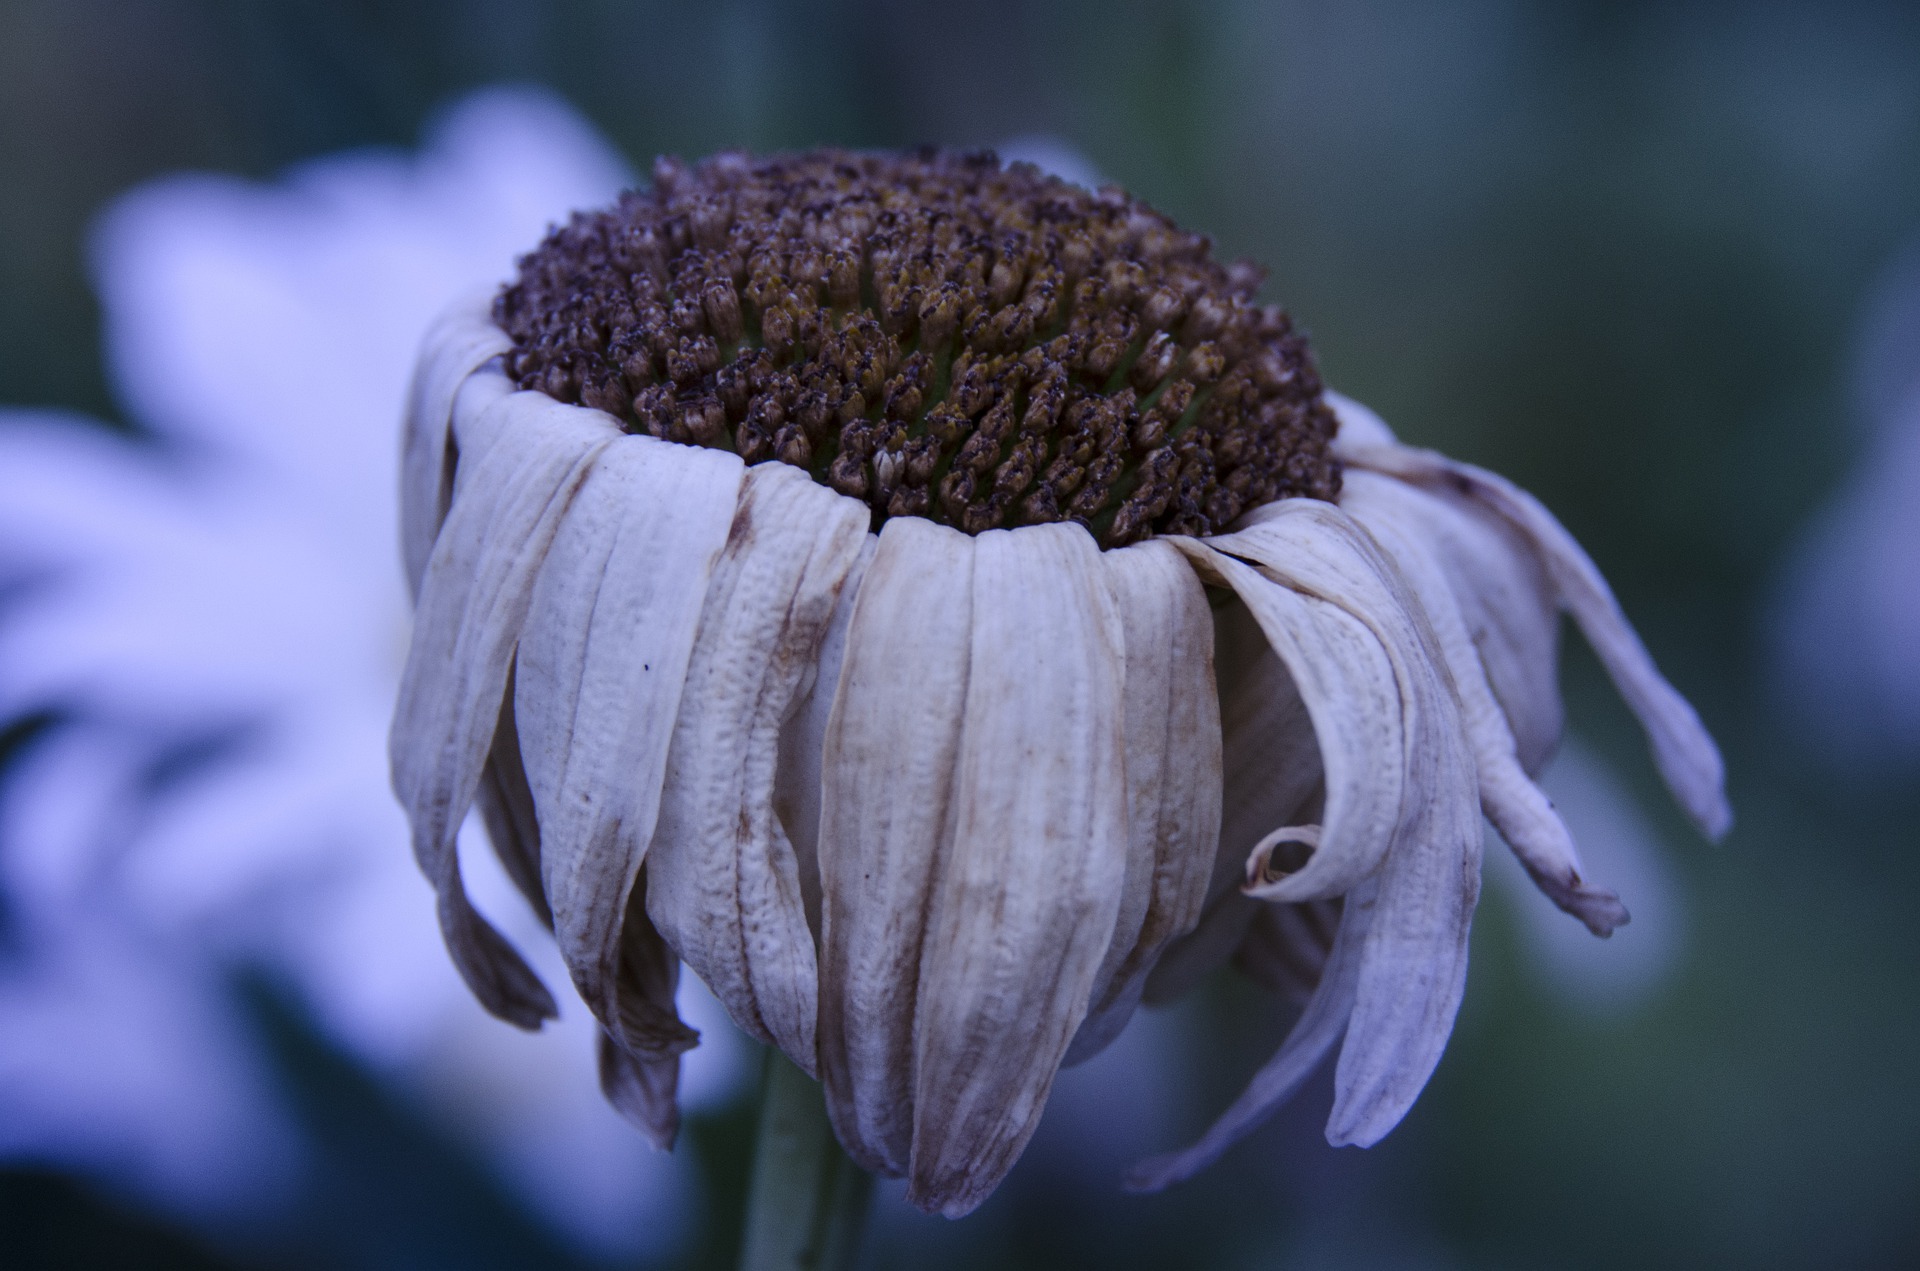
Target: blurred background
1654, 262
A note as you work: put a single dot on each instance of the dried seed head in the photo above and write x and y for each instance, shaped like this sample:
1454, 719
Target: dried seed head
934, 334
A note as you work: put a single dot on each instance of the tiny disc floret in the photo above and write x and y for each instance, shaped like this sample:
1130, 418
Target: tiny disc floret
934, 334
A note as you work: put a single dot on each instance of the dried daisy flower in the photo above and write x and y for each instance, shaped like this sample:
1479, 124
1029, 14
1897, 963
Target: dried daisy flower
938, 605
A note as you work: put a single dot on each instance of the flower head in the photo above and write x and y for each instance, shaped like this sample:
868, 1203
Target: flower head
938, 605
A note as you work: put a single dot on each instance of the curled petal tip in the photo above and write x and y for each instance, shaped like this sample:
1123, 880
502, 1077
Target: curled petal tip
1598, 907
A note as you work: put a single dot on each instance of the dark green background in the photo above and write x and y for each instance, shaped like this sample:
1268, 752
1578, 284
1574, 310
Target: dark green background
1613, 250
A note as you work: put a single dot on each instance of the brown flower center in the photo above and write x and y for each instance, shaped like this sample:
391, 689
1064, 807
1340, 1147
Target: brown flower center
933, 334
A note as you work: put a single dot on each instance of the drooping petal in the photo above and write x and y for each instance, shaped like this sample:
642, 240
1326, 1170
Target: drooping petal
1518, 809
601, 668
473, 602
506, 807
725, 886
458, 343
1506, 601
644, 1091
1173, 742
643, 1086
886, 782
1413, 968
1311, 1037
1347, 678
1686, 756
796, 779
1023, 904
1271, 776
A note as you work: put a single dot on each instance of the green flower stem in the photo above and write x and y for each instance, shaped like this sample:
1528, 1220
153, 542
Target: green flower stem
807, 1202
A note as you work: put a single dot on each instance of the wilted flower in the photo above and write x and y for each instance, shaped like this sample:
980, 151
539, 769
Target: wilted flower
936, 603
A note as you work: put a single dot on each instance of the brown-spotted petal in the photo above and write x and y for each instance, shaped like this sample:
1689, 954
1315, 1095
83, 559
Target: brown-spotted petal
796, 782
601, 669
888, 757
474, 599
1023, 903
725, 886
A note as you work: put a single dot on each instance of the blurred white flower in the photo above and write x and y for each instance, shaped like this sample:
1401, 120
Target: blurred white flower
214, 618
1845, 629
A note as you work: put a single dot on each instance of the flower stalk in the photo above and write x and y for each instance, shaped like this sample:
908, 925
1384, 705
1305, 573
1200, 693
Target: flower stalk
807, 1202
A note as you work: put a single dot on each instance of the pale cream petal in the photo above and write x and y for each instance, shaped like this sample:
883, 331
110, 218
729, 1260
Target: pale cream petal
473, 603
1518, 809
725, 886
1173, 742
459, 343
1023, 905
601, 668
1271, 776
1354, 694
892, 739
1312, 1036
1684, 753
796, 779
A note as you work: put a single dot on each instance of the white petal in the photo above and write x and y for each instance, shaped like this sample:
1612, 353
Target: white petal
1172, 732
1684, 753
1347, 678
1523, 815
473, 602
725, 887
1023, 905
602, 665
886, 780
1312, 1036
461, 341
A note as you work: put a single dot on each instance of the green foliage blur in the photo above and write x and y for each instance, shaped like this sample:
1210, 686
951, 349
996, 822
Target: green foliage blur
1613, 250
